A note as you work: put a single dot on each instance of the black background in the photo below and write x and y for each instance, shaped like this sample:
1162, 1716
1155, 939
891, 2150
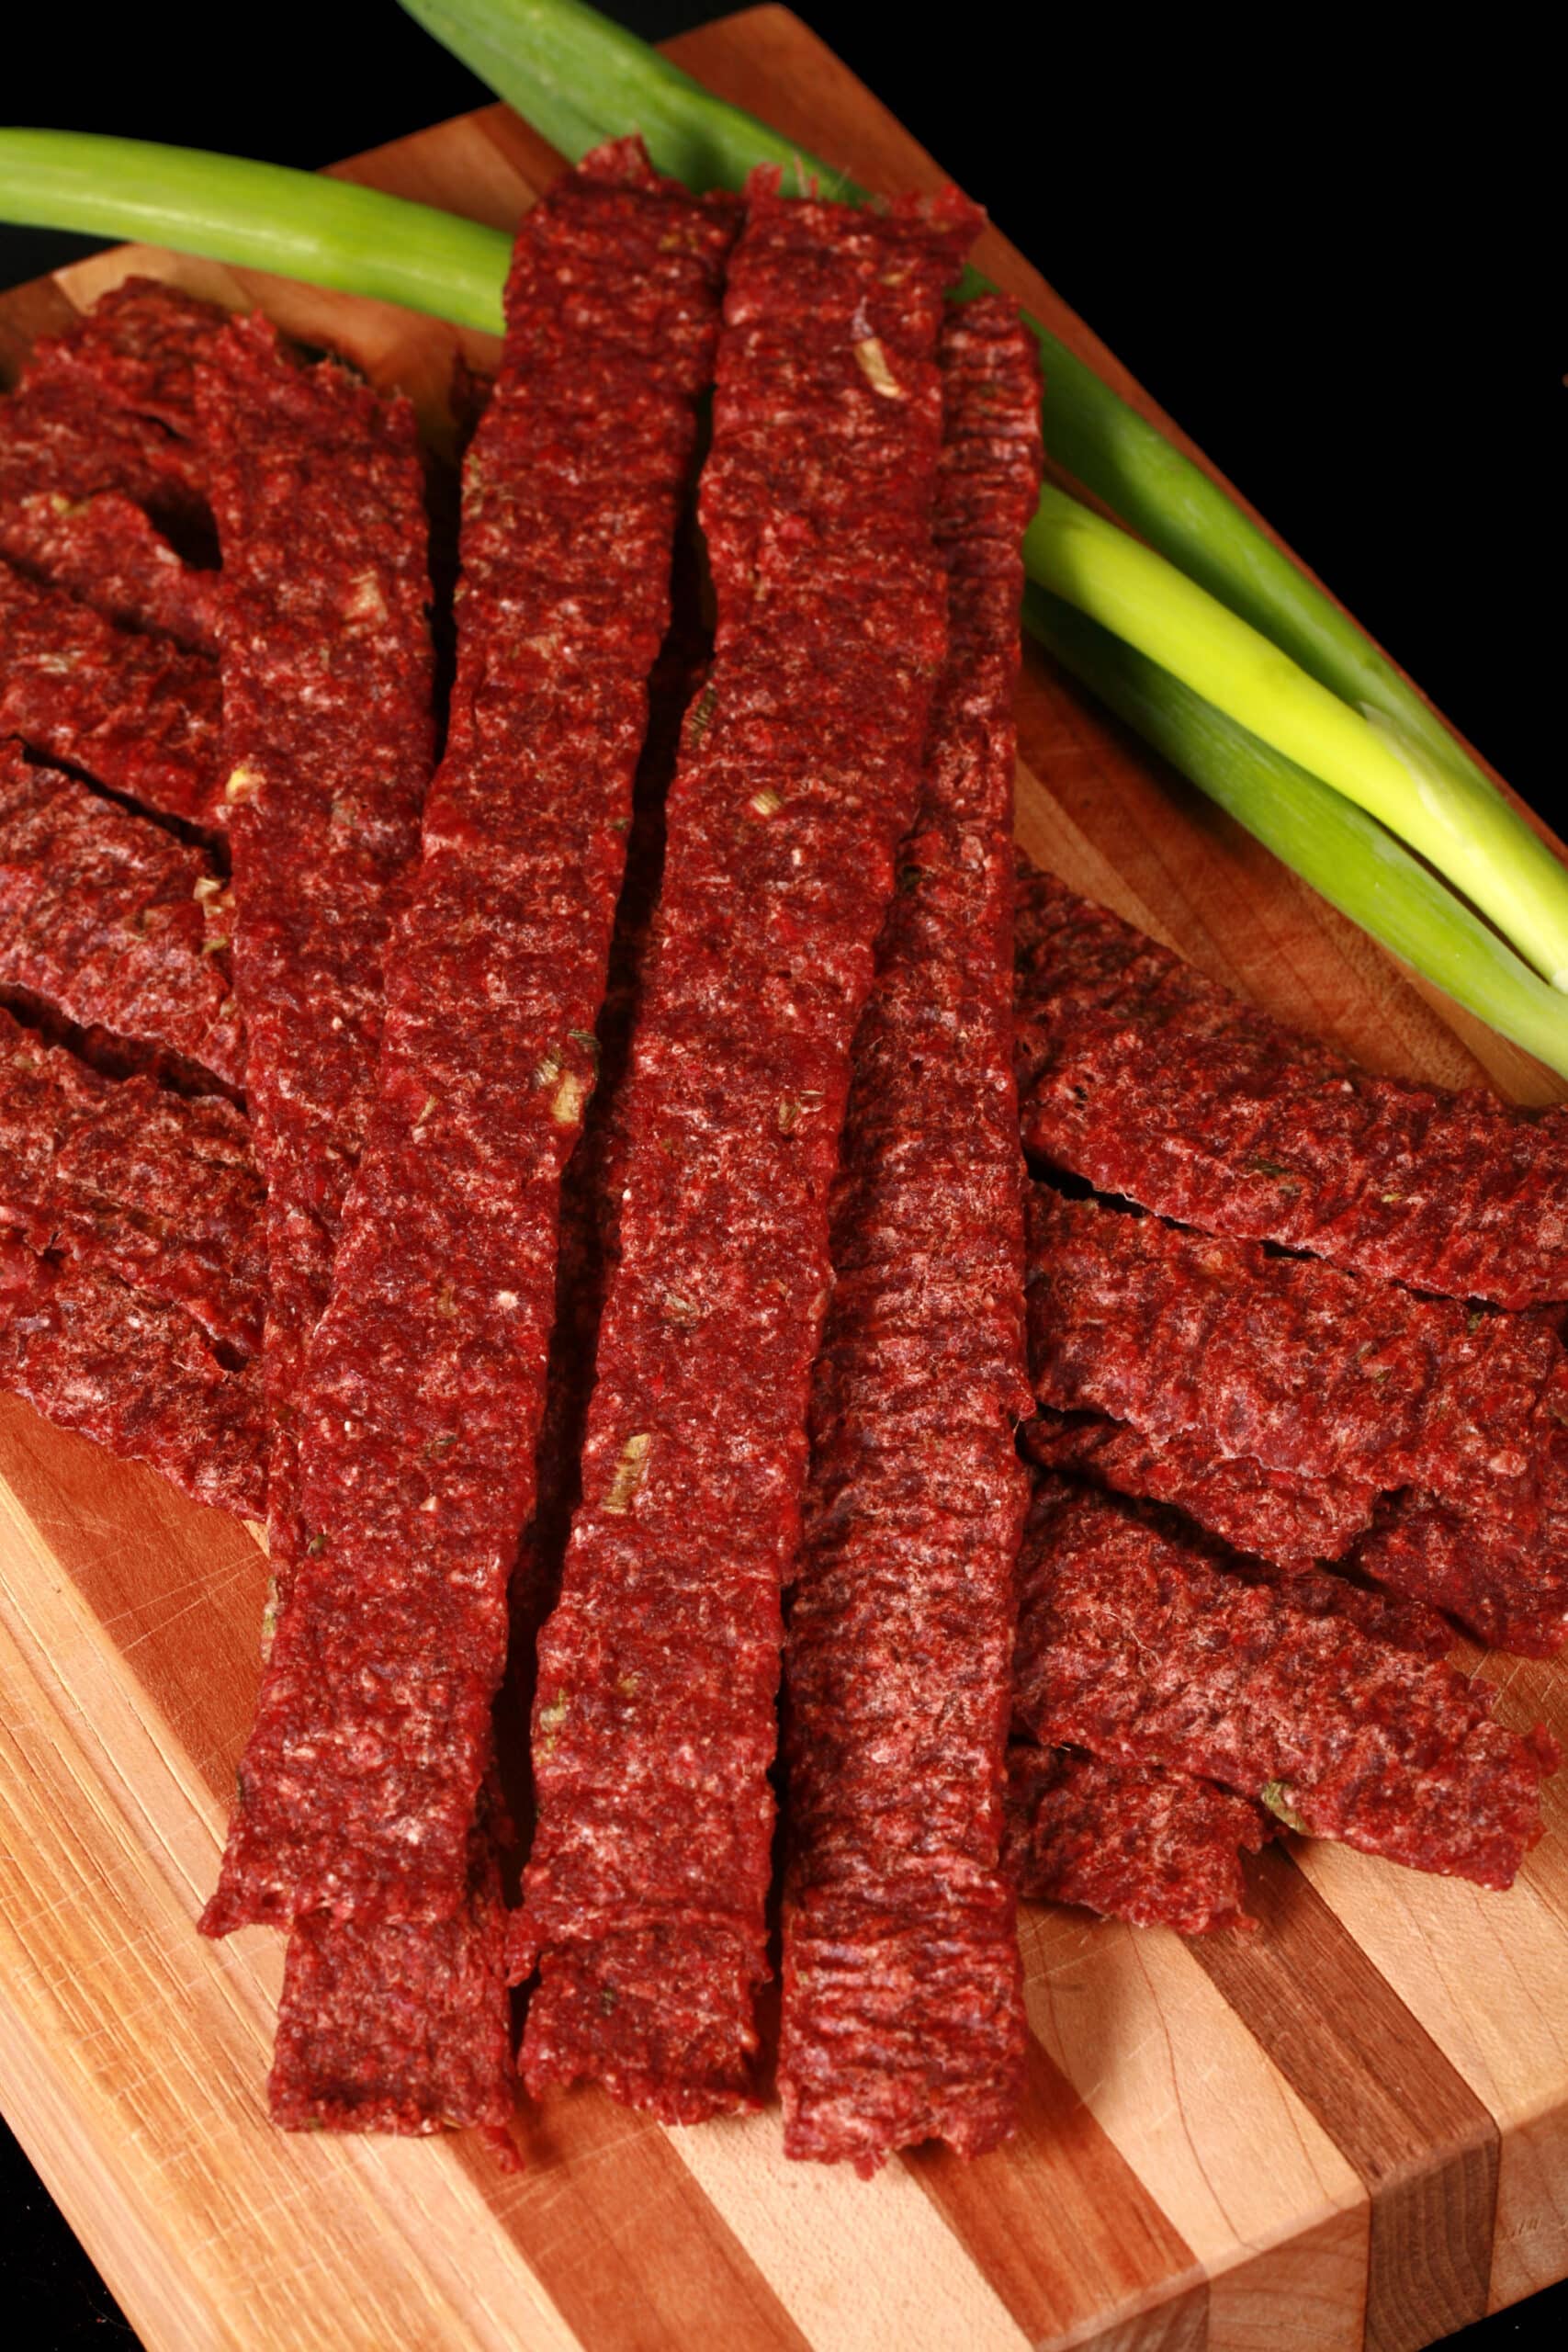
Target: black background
1337, 266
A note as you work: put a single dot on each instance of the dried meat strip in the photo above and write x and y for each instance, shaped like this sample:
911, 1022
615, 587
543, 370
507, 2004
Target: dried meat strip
133, 1372
98, 447
156, 1188
106, 920
655, 1723
139, 714
359, 1787
1287, 1361
1505, 1586
1277, 1514
328, 744
1159, 1850
1151, 1080
1133, 1644
903, 2008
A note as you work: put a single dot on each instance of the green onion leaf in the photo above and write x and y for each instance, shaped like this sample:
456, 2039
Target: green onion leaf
263, 216
1331, 843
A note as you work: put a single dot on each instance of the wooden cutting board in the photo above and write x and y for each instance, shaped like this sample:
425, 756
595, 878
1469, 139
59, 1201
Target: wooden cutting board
1351, 2128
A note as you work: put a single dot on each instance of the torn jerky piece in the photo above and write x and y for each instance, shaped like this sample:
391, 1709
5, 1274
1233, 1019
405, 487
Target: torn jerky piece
397, 2029
1159, 1850
655, 1720
903, 2008
96, 451
139, 714
156, 1188
1502, 1588
1133, 1645
426, 1374
1287, 1361
1151, 1080
1276, 1513
134, 1374
138, 349
105, 550
328, 742
105, 919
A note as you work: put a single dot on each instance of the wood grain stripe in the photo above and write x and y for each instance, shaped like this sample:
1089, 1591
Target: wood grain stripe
629, 2250
1065, 2231
1420, 2139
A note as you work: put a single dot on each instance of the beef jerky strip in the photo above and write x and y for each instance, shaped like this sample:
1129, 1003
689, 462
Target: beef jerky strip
1286, 1362
426, 1373
101, 431
108, 921
156, 1188
1160, 1849
1133, 1644
134, 1374
447, 2055
1276, 1513
903, 2008
1505, 1588
328, 744
138, 714
655, 1723
1137, 1072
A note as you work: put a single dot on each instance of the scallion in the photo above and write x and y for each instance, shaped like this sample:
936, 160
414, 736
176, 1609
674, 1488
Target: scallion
1332, 845
263, 216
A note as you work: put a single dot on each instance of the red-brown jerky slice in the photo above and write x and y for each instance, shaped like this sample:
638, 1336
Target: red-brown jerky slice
1133, 1645
96, 448
1505, 1587
1137, 1072
138, 349
157, 1188
903, 2013
105, 918
1285, 1361
1276, 1513
139, 714
134, 1374
328, 744
397, 2029
655, 1724
1157, 1849
105, 551
426, 1373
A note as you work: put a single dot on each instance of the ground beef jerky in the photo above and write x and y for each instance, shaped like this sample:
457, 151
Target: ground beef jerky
158, 1189
107, 920
328, 742
98, 449
654, 1723
1137, 1072
426, 1374
903, 2013
133, 1372
1160, 1849
397, 2029
1276, 1513
139, 714
1287, 1361
1505, 1586
1133, 1644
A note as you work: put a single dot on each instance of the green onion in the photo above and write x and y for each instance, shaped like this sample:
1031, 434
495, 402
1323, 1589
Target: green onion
579, 78
1466, 830
264, 215
1316, 832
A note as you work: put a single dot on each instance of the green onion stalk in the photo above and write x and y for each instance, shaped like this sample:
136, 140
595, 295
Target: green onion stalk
1331, 843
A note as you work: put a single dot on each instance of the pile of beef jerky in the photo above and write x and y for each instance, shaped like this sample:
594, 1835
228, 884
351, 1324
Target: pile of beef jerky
555, 1159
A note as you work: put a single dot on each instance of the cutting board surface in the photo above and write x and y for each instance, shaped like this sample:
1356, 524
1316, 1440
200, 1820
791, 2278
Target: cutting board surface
1350, 2127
